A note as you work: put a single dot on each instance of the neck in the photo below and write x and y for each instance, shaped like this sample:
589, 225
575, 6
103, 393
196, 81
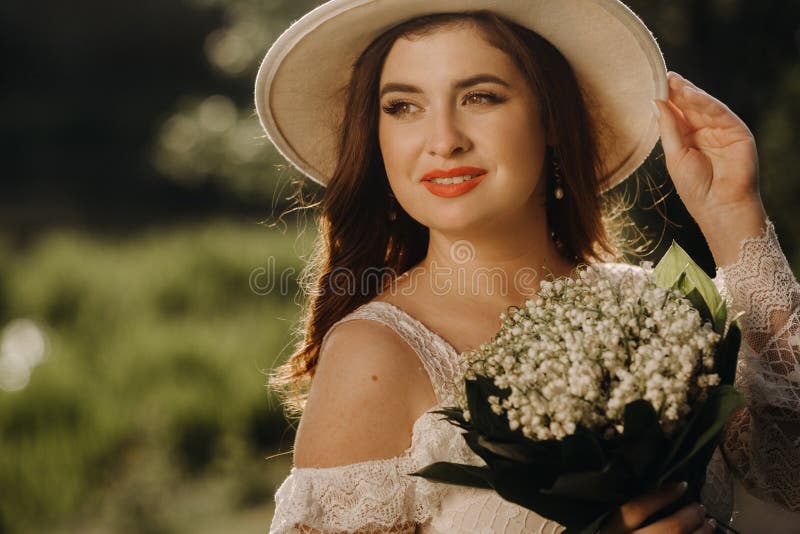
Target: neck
494, 266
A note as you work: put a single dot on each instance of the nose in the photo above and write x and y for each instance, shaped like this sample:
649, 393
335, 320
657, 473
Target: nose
447, 138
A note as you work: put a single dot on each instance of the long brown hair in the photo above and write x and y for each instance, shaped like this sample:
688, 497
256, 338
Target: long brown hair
357, 244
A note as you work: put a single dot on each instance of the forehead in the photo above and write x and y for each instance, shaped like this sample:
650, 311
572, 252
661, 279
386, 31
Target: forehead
454, 50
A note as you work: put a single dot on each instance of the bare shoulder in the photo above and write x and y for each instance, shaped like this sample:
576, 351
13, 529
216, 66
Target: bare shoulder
363, 400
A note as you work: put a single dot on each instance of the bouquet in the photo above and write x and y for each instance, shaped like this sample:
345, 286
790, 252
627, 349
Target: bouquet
601, 391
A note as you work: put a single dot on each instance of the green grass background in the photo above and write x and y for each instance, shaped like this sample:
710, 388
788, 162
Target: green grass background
149, 413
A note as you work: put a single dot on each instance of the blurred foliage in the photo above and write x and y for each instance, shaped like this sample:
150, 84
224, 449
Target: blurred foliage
158, 348
210, 138
779, 155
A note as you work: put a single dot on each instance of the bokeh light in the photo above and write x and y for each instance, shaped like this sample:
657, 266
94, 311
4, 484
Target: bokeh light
22, 347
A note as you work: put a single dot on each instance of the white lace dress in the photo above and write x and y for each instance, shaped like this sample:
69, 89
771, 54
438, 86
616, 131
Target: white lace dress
762, 444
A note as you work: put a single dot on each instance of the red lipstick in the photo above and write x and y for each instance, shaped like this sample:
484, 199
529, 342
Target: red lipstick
453, 190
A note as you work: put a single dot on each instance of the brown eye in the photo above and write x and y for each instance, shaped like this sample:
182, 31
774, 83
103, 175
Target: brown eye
481, 98
399, 107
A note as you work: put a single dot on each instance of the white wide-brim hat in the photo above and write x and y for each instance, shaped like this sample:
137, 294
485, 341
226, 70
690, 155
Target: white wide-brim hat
300, 85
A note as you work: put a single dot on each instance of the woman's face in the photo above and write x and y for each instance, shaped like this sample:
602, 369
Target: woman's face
452, 105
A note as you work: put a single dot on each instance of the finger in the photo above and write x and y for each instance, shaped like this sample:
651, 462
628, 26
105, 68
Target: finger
700, 108
708, 527
673, 74
687, 519
672, 127
680, 118
634, 512
704, 111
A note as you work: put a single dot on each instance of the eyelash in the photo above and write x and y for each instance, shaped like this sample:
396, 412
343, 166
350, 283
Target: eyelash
394, 107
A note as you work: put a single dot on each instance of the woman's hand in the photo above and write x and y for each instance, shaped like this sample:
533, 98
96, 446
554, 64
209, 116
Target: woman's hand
689, 519
712, 160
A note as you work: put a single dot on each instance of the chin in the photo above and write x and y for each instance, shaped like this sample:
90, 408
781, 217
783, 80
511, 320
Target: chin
454, 220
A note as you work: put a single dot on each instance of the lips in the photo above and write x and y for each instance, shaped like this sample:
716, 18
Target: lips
453, 189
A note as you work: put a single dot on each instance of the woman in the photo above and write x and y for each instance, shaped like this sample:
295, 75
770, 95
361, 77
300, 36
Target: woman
472, 148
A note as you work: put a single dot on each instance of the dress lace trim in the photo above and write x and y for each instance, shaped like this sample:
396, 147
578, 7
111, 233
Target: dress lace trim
374, 495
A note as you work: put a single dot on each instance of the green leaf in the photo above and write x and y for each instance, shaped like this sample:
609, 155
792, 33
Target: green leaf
454, 416
516, 452
699, 304
677, 267
720, 314
581, 451
638, 418
484, 420
514, 485
607, 486
704, 429
670, 266
643, 441
543, 457
458, 474
727, 354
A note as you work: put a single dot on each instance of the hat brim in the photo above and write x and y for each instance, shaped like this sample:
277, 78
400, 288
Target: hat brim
299, 90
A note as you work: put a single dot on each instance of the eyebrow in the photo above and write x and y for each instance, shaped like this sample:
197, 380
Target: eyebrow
461, 84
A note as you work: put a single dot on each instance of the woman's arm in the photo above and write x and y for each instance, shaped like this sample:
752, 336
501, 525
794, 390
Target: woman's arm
711, 157
762, 442
354, 448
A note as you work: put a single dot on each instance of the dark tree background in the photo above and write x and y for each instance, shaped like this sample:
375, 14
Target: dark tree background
87, 85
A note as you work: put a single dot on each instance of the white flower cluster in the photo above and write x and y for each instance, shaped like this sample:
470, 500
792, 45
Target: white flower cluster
591, 345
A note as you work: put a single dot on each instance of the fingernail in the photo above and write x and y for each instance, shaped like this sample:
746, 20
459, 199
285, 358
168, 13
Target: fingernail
712, 523
682, 487
656, 111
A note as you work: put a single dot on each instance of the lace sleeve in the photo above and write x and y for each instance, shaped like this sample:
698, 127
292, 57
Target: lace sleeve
364, 497
761, 444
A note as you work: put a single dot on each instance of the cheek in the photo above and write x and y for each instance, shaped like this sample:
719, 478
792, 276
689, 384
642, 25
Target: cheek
397, 152
394, 148
390, 139
520, 147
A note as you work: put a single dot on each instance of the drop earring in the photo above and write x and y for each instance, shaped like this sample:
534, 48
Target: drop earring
556, 240
558, 191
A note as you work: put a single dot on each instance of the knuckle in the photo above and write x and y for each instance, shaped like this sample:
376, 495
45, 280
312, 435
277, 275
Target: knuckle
675, 526
633, 513
700, 513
